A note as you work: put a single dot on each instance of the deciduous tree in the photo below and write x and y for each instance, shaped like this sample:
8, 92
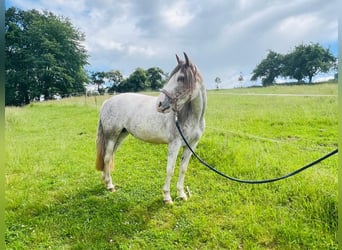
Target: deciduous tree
115, 77
98, 79
305, 61
155, 78
135, 82
44, 55
269, 68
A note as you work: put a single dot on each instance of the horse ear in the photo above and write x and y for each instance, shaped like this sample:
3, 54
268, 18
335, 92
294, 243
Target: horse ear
187, 61
178, 60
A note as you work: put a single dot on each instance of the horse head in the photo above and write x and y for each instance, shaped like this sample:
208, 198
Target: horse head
181, 88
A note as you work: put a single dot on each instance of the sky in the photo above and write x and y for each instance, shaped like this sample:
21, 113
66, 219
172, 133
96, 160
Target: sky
224, 38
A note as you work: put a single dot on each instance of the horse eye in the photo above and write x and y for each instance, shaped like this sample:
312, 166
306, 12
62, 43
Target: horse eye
180, 79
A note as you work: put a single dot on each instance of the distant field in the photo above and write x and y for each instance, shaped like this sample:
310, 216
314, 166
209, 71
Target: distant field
55, 197
318, 89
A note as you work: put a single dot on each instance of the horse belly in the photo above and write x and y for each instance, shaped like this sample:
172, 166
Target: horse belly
146, 124
149, 131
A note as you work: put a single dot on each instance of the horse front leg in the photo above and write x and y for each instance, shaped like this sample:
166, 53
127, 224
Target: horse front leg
182, 170
171, 161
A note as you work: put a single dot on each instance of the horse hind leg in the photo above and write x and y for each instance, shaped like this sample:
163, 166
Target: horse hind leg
111, 147
108, 165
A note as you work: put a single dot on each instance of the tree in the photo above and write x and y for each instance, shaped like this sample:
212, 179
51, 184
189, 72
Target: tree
155, 78
135, 82
269, 68
44, 55
305, 61
98, 79
217, 81
240, 79
115, 77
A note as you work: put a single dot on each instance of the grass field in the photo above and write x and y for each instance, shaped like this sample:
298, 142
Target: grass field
56, 199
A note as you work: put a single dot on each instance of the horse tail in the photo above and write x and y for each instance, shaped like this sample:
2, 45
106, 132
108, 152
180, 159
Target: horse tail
100, 147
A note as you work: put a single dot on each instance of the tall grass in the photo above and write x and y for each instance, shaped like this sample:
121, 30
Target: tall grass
55, 198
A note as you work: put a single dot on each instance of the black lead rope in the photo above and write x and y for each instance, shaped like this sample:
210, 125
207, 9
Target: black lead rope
251, 181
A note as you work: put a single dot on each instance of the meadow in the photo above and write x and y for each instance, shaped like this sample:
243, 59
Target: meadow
55, 198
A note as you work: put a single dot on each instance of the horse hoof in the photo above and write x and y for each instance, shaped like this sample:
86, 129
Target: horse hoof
112, 190
183, 198
168, 202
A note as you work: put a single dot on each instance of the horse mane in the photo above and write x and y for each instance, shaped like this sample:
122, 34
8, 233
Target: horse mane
191, 74
191, 77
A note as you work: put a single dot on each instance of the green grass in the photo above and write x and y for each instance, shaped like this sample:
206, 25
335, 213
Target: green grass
56, 199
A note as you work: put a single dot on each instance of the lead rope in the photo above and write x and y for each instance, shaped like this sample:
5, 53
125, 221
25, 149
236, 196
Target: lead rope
251, 181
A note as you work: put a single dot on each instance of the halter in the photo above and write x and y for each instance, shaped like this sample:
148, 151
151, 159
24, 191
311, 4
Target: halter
174, 99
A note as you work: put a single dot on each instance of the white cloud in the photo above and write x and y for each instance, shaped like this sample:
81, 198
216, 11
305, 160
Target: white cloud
177, 15
133, 50
109, 45
222, 37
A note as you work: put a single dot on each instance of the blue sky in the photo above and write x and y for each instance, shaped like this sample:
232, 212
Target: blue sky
223, 37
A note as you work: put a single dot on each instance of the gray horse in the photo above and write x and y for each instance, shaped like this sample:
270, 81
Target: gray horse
152, 119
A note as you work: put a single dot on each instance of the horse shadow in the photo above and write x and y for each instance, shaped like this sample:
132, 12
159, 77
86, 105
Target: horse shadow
93, 215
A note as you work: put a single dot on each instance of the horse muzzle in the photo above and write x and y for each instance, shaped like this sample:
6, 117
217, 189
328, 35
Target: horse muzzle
163, 104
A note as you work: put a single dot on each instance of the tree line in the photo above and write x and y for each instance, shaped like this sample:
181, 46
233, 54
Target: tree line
302, 63
140, 80
45, 55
